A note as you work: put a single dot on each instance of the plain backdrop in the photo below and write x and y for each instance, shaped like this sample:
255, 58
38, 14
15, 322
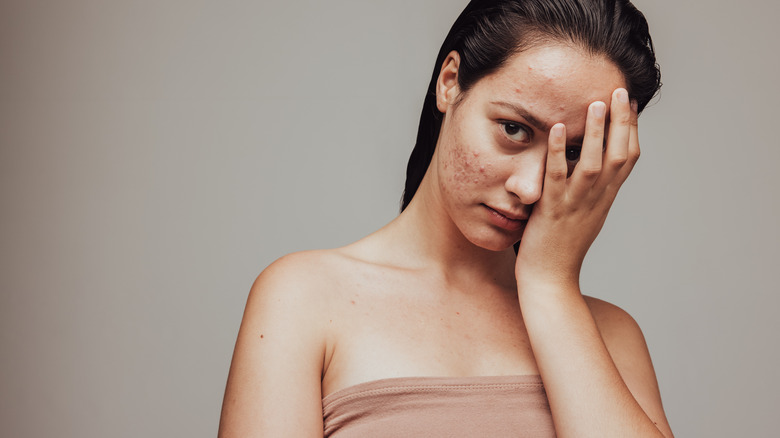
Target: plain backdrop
157, 155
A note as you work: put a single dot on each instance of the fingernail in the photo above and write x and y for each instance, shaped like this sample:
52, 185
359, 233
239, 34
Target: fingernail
622, 95
599, 108
557, 130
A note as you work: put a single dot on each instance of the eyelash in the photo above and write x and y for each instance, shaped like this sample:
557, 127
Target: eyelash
570, 150
505, 124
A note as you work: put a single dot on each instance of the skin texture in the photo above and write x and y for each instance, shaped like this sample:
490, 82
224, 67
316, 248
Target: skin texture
439, 290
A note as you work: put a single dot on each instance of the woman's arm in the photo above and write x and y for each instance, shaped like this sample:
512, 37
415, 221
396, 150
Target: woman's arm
273, 388
593, 359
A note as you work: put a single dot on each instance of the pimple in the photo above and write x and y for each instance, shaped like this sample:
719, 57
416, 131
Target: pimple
481, 169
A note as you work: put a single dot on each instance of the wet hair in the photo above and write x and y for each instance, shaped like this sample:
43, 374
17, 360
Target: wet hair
488, 32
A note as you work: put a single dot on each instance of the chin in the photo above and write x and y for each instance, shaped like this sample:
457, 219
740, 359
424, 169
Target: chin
494, 240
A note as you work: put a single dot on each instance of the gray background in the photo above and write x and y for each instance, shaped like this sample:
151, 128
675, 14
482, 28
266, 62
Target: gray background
157, 155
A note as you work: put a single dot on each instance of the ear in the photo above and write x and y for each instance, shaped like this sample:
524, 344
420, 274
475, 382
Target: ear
447, 84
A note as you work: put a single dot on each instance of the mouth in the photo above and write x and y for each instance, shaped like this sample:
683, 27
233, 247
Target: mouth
506, 220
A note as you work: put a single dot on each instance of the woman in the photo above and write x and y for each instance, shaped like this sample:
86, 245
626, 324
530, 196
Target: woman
434, 325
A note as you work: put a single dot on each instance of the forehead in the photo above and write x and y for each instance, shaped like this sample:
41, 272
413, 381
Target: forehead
556, 83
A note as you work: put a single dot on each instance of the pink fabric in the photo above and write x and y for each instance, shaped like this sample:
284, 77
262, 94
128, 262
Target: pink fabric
495, 406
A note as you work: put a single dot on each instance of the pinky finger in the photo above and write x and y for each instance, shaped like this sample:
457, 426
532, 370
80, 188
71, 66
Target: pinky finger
557, 168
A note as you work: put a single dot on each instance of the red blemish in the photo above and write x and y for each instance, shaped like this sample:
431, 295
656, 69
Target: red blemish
261, 336
353, 301
457, 313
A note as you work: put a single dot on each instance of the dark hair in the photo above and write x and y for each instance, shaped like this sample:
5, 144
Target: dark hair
488, 32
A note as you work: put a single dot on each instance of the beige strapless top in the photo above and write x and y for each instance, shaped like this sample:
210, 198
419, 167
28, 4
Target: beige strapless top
494, 406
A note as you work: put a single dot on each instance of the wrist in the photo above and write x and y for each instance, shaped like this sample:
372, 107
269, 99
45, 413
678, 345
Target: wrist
547, 282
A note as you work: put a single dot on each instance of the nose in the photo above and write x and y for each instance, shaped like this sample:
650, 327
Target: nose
527, 179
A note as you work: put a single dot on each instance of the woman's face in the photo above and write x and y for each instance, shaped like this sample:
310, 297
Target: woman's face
490, 158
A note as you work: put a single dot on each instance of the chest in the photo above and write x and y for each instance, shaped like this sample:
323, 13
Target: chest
380, 332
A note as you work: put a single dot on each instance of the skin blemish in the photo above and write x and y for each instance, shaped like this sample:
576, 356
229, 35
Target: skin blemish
457, 313
353, 301
261, 336
481, 169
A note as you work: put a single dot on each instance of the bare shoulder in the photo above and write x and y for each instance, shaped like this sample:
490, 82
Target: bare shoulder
273, 387
305, 280
298, 275
623, 338
613, 322
626, 344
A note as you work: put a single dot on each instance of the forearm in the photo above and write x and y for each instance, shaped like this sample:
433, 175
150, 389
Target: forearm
587, 395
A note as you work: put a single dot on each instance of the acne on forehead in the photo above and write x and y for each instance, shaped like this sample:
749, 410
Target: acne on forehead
555, 62
557, 82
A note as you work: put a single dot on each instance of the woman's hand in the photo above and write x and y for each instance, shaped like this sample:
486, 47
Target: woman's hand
591, 355
571, 211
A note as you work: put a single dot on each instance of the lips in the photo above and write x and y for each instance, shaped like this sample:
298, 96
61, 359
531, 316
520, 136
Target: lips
510, 216
506, 220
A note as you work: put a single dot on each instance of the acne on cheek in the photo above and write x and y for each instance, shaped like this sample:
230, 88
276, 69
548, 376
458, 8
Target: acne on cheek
465, 171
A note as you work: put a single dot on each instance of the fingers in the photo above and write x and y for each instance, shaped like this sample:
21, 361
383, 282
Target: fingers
616, 155
556, 167
587, 171
633, 144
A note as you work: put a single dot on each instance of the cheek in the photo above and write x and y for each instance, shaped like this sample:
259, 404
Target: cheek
465, 170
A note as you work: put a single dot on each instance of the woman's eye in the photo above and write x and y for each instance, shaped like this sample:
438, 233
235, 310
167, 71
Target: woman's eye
573, 154
516, 132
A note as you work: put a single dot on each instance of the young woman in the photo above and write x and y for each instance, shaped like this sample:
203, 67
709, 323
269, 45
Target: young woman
435, 325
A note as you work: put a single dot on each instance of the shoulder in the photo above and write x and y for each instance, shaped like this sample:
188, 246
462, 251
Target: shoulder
627, 347
300, 275
274, 382
611, 320
621, 333
287, 299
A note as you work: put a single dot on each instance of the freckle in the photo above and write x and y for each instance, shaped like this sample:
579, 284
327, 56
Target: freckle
261, 336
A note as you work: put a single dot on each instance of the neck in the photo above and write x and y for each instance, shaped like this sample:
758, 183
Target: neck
426, 236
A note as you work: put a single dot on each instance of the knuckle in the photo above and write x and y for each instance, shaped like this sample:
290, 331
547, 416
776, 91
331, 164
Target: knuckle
596, 134
590, 171
618, 160
557, 174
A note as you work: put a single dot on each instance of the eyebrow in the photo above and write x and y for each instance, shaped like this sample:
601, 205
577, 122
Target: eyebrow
538, 124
